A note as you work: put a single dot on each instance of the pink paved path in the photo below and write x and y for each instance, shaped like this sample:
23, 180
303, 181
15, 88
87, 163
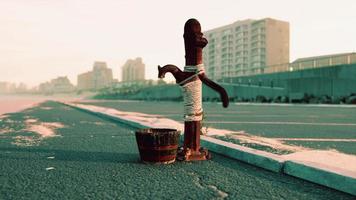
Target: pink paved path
13, 103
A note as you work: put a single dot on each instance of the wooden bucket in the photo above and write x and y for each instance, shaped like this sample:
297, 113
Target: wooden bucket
157, 145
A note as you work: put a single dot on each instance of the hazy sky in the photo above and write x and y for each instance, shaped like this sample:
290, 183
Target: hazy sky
43, 39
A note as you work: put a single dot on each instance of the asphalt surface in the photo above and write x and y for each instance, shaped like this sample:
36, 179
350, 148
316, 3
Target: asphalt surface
98, 159
267, 120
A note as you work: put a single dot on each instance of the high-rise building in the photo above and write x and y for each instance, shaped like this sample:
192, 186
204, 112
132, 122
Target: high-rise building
85, 81
133, 70
246, 47
101, 76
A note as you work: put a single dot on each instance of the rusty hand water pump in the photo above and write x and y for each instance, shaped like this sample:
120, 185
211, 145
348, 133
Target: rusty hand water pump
191, 80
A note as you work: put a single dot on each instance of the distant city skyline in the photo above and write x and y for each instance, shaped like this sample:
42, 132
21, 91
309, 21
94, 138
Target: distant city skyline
43, 39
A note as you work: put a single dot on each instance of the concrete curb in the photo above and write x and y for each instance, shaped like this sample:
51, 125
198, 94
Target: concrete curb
255, 157
109, 117
266, 160
316, 174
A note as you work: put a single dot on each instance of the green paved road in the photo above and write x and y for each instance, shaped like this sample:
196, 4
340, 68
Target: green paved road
98, 159
267, 120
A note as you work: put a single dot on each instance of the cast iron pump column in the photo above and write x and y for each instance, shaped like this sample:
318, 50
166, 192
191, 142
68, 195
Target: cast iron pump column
191, 80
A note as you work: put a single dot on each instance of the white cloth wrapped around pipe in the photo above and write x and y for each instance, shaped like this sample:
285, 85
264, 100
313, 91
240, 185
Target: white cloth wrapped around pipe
192, 94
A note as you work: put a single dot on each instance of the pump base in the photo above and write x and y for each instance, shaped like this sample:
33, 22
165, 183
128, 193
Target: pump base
190, 155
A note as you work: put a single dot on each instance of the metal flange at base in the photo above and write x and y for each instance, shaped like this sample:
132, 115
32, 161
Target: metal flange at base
191, 155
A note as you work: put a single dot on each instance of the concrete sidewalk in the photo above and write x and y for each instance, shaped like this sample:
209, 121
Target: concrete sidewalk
326, 167
54, 151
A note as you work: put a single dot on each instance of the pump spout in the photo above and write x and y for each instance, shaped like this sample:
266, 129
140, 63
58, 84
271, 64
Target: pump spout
175, 71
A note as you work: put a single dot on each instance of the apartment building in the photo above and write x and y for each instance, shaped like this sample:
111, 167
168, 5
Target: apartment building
246, 47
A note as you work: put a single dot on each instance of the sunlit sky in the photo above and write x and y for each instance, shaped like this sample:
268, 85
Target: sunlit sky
43, 39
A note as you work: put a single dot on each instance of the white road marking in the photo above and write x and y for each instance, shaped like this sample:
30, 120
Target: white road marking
317, 139
50, 168
281, 123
